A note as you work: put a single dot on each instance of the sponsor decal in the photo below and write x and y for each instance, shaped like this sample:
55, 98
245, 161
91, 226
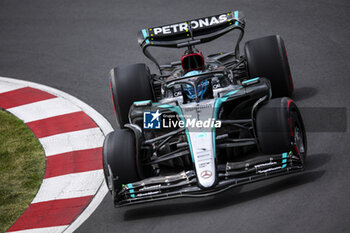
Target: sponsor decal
265, 164
269, 170
201, 165
150, 187
188, 109
184, 27
206, 174
147, 194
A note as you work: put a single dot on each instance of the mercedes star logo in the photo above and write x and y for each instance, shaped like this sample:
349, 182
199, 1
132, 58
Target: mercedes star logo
206, 174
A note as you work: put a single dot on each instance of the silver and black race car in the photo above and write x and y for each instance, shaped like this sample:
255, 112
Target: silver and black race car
202, 125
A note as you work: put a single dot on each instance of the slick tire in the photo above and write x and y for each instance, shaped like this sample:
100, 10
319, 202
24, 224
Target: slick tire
119, 161
129, 84
280, 128
267, 57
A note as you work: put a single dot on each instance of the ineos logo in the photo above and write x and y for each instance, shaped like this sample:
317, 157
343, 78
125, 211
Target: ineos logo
206, 174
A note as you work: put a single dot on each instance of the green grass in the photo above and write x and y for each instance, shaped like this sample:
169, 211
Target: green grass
22, 166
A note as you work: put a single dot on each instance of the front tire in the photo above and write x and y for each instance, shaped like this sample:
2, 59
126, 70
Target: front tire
280, 128
119, 161
267, 57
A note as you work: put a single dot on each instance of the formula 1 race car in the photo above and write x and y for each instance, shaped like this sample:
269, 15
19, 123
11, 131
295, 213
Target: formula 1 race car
204, 124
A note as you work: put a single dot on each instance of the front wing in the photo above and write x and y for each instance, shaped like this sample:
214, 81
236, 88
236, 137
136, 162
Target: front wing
229, 175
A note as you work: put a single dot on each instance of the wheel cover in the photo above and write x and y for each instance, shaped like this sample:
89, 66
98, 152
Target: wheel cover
299, 140
111, 182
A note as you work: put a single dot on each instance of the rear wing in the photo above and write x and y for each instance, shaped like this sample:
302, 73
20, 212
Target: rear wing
191, 32
200, 30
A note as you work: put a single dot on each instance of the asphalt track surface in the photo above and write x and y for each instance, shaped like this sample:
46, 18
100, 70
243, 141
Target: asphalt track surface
72, 45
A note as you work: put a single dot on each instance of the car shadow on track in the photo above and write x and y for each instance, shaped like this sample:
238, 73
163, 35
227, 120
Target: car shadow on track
316, 161
230, 197
303, 93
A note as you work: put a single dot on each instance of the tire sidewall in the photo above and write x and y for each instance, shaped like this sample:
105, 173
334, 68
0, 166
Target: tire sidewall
267, 57
129, 84
119, 152
275, 122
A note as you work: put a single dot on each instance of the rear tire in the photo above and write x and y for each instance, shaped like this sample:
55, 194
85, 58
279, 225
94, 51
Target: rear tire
129, 84
119, 161
280, 128
267, 57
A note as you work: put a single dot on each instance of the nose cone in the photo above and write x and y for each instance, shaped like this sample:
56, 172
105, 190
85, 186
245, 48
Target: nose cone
201, 142
203, 156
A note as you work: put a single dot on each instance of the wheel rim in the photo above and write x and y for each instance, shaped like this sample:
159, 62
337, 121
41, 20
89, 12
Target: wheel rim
299, 140
110, 179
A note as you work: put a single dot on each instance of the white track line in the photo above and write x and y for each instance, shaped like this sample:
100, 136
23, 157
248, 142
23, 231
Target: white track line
102, 123
70, 186
77, 140
43, 109
57, 229
89, 209
10, 87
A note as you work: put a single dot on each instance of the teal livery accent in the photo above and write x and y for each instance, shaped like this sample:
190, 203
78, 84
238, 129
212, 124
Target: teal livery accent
147, 41
220, 100
178, 110
131, 190
144, 32
142, 102
250, 80
236, 17
284, 160
217, 106
189, 144
191, 73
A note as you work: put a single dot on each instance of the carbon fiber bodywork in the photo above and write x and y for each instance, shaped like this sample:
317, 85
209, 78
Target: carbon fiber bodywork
227, 174
180, 158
